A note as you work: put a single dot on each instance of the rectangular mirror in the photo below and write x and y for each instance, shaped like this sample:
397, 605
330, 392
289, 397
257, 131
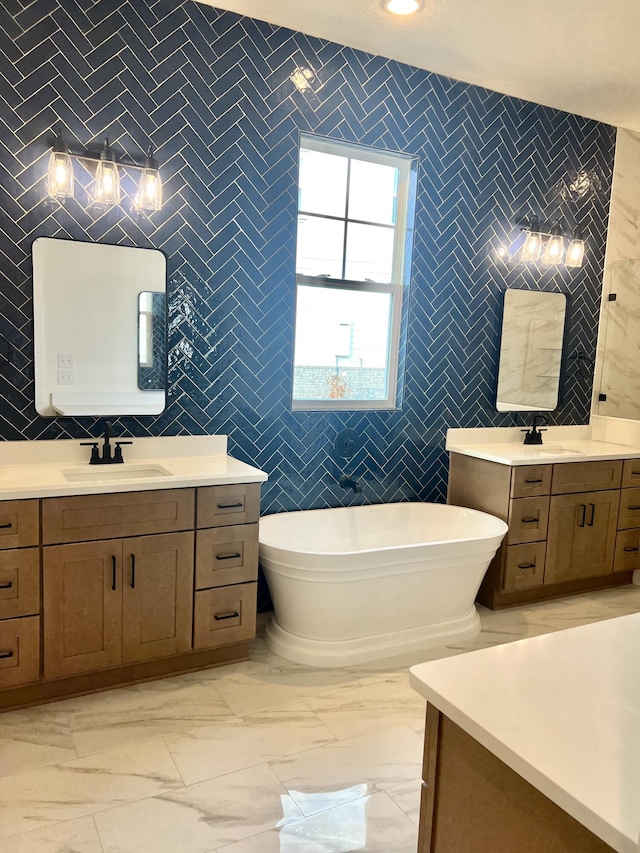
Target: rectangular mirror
100, 329
530, 351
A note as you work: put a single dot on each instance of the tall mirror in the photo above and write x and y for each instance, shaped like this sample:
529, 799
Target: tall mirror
530, 351
99, 329
619, 359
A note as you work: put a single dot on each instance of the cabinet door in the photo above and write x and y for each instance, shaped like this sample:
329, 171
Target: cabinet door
82, 605
157, 602
582, 536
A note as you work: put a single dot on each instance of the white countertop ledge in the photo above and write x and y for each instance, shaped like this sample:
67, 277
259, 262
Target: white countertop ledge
563, 711
560, 444
36, 469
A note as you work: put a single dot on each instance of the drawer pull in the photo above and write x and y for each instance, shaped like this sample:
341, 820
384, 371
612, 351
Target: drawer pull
233, 615
528, 520
636, 473
231, 506
584, 515
6, 526
526, 565
534, 481
634, 508
5, 655
629, 550
6, 585
228, 556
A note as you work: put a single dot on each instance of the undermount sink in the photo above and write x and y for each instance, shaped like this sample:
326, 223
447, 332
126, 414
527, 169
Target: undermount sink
95, 473
558, 451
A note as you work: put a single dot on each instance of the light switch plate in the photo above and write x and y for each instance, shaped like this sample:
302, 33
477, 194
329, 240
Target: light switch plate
65, 361
66, 377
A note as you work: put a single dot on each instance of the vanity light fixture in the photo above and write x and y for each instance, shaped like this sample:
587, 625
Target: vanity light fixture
554, 249
402, 7
106, 189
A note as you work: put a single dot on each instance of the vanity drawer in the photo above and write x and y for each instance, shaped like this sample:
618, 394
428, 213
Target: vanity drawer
19, 523
531, 480
573, 477
629, 514
225, 505
524, 566
87, 517
630, 473
224, 615
627, 557
226, 555
19, 651
19, 582
528, 520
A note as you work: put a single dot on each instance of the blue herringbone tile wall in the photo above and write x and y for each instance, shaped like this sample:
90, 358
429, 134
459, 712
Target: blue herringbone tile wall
213, 92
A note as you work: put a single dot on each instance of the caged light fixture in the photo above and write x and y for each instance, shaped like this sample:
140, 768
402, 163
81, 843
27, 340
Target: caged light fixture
106, 190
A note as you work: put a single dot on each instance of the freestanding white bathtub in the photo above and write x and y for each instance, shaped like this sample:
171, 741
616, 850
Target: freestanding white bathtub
357, 583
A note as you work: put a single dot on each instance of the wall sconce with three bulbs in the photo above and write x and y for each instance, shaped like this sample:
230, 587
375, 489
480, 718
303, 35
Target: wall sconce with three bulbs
548, 245
106, 186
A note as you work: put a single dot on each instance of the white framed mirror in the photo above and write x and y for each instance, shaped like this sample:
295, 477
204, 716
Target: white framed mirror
531, 351
98, 311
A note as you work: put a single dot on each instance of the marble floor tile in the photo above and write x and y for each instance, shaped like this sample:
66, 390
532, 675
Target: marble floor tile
346, 770
75, 836
200, 818
236, 743
78, 788
34, 738
152, 710
369, 825
407, 796
369, 707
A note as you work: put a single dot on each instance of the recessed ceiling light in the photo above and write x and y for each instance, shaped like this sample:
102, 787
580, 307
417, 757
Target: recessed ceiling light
402, 7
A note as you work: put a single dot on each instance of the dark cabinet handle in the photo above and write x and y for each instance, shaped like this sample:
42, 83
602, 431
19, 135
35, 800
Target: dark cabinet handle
5, 655
228, 556
233, 615
593, 515
133, 571
633, 508
526, 565
6, 585
113, 574
636, 473
584, 515
629, 550
534, 481
230, 506
528, 520
6, 526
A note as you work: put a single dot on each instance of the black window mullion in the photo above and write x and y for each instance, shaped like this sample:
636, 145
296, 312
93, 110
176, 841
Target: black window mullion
346, 220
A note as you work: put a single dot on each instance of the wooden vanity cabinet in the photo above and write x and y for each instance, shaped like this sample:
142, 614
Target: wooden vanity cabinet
129, 586
571, 525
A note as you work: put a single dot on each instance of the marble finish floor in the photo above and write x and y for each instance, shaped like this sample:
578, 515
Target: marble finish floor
265, 756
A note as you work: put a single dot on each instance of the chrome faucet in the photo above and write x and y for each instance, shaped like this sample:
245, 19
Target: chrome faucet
106, 457
347, 482
534, 435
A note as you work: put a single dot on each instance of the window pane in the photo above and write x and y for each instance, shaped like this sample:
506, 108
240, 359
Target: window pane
323, 183
369, 253
342, 344
320, 246
373, 191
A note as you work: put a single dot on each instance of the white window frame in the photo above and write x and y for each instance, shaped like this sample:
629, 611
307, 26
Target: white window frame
404, 163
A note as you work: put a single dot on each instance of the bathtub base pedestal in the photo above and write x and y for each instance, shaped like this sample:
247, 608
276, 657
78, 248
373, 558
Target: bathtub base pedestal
337, 652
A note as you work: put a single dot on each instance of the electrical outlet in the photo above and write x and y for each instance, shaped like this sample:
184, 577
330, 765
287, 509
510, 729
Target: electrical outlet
66, 377
65, 361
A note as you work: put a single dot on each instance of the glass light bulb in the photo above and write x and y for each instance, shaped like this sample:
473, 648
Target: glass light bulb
149, 195
60, 175
554, 249
531, 248
575, 254
107, 183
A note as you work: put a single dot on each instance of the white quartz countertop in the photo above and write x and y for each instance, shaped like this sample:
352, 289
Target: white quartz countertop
560, 444
39, 469
563, 711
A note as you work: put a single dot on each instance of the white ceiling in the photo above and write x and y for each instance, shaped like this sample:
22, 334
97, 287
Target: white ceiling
582, 56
